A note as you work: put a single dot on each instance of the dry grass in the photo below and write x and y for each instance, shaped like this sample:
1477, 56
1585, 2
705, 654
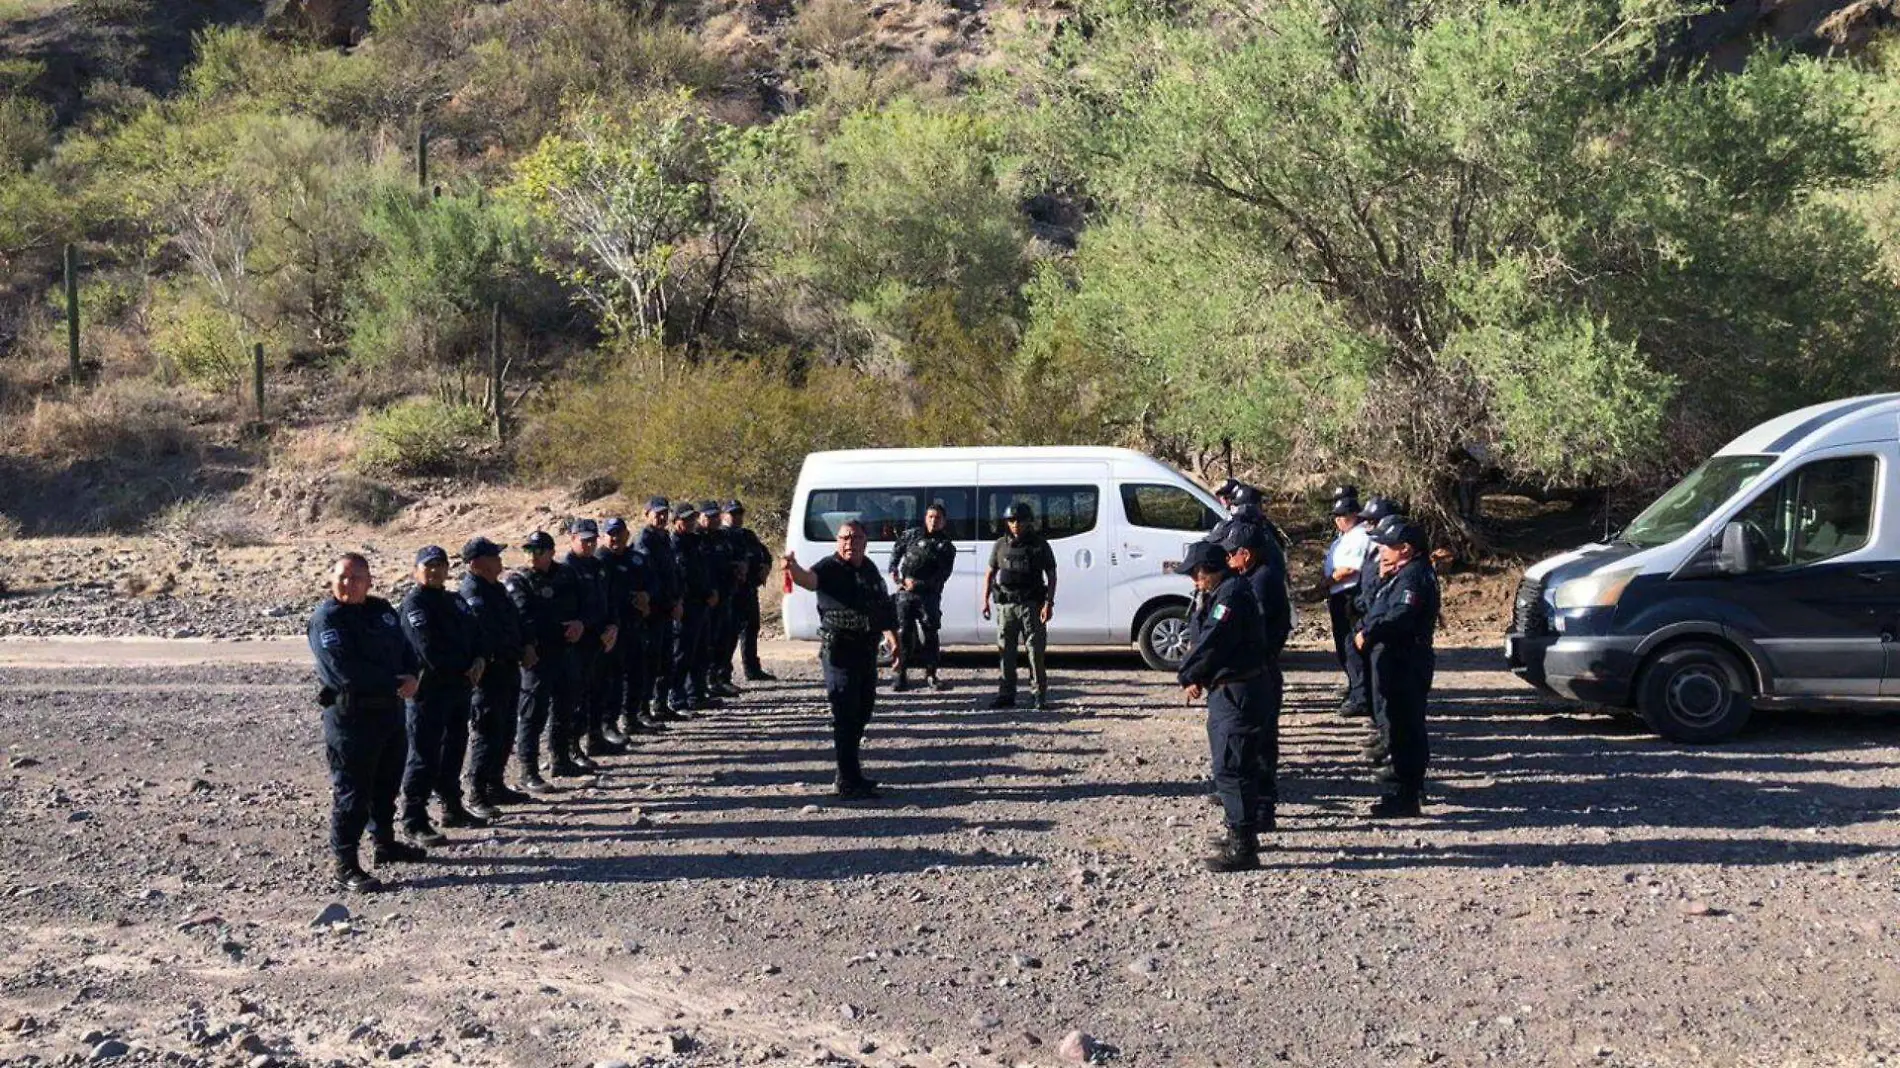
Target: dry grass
830, 28
131, 419
204, 521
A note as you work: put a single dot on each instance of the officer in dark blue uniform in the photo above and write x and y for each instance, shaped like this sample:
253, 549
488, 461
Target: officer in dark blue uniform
1377, 747
441, 630
1226, 663
1250, 555
629, 593
854, 608
727, 572
758, 565
365, 670
550, 604
697, 597
504, 648
1343, 559
1397, 632
592, 654
656, 544
921, 564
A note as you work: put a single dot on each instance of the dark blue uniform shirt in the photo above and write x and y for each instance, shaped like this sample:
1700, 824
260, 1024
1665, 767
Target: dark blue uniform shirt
663, 567
360, 648
441, 630
1404, 611
696, 578
548, 601
498, 622
1227, 639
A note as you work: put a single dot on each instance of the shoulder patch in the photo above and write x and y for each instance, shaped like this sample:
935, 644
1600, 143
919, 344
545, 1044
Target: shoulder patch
329, 638
389, 619
1408, 597
547, 591
1219, 613
474, 600
418, 619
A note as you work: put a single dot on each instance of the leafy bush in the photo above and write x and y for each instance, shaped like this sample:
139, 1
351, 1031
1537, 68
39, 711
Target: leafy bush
202, 342
26, 132
418, 437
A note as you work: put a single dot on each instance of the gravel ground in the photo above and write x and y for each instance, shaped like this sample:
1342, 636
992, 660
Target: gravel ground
1580, 892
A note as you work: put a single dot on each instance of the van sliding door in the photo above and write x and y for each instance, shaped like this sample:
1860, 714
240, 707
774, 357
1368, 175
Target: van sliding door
1068, 499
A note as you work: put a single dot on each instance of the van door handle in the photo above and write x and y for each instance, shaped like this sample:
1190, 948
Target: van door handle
1134, 553
1870, 576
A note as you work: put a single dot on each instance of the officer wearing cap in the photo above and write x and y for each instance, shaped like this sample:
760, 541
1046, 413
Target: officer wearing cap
688, 685
1226, 664
593, 653
1021, 579
441, 630
758, 568
630, 598
1397, 633
503, 644
921, 564
1377, 746
1254, 557
365, 670
1344, 558
727, 573
854, 607
1225, 494
656, 544
549, 599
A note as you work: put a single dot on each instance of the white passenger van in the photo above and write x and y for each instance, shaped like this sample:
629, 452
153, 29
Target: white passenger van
1771, 572
1117, 520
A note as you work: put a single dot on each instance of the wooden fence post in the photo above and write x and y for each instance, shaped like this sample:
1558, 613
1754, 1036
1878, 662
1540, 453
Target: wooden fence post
422, 154
257, 376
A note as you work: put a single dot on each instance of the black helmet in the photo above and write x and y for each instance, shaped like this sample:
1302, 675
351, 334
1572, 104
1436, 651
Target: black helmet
1019, 510
1378, 508
1245, 495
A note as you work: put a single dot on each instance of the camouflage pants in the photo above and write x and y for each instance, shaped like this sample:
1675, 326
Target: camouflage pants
1022, 622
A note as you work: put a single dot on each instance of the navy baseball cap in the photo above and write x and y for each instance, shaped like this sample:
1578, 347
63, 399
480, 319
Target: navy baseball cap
432, 554
1346, 491
658, 504
1202, 556
1238, 536
475, 548
1246, 495
1345, 506
539, 542
1397, 530
686, 511
1378, 508
586, 528
709, 508
616, 525
735, 505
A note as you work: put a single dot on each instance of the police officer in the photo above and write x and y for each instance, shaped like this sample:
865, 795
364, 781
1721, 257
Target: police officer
1253, 556
503, 644
758, 562
1021, 578
550, 602
1377, 747
442, 632
629, 598
1226, 664
656, 544
854, 607
727, 572
1397, 632
697, 598
366, 671
1344, 558
592, 654
921, 564
1225, 493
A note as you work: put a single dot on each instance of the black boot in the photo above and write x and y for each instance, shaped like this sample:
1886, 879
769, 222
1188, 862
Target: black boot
533, 783
902, 683
1399, 804
759, 674
482, 805
455, 815
351, 876
499, 793
1003, 700
931, 680
1042, 700
583, 762
394, 852
599, 745
614, 737
421, 833
1239, 851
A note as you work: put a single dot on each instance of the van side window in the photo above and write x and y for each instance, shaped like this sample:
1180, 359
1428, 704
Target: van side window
1816, 512
959, 508
1061, 511
1162, 507
885, 513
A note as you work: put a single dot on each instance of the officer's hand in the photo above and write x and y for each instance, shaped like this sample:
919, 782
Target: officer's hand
679, 612
530, 657
642, 603
1047, 611
475, 672
713, 601
1359, 641
986, 610
789, 561
609, 637
1194, 693
405, 686
910, 584
571, 630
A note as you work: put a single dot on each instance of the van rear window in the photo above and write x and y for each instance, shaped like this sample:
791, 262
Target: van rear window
887, 513
1061, 511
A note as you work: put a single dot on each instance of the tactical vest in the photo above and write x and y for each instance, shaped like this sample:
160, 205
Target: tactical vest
1019, 578
926, 554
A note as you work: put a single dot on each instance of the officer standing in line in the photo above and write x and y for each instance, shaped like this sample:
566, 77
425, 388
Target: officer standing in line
629, 597
697, 598
854, 607
1250, 555
366, 671
1247, 510
441, 630
1226, 663
504, 648
593, 653
921, 564
727, 571
1022, 580
550, 602
1377, 748
1343, 559
1397, 631
758, 563
656, 544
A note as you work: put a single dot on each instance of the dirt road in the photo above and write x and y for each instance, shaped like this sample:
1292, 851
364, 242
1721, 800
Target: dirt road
1581, 893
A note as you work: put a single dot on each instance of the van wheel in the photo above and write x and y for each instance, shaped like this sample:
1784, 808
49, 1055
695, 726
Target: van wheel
1163, 638
1694, 693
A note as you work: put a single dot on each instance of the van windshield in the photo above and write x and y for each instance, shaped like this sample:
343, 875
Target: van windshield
1692, 500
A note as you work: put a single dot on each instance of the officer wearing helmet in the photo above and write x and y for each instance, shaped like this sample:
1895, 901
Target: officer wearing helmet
1021, 580
1396, 633
1226, 664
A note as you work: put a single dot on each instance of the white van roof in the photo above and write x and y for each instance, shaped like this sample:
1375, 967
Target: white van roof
1126, 463
1875, 417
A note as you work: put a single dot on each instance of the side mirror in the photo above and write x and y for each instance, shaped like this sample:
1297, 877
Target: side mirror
1739, 553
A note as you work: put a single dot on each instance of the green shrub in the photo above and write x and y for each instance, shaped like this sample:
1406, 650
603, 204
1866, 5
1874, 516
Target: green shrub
26, 132
418, 437
202, 342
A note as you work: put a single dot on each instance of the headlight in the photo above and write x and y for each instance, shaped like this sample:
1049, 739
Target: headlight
1593, 591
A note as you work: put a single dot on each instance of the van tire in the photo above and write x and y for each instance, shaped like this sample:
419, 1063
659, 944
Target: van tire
1162, 638
1695, 692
